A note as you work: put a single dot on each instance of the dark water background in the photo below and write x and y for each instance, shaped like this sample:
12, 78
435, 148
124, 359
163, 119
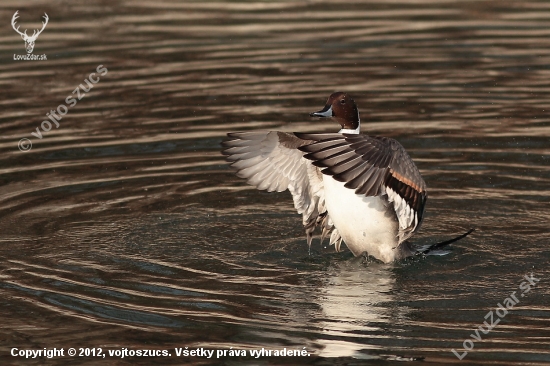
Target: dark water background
125, 228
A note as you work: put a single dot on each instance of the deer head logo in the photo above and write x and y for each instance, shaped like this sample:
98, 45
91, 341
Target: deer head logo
29, 41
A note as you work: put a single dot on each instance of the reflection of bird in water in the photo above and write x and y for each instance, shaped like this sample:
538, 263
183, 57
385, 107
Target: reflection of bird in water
364, 190
354, 303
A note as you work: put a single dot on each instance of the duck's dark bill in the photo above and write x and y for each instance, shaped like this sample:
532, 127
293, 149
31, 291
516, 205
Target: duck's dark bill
326, 112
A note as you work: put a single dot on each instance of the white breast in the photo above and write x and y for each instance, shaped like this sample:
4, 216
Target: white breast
365, 223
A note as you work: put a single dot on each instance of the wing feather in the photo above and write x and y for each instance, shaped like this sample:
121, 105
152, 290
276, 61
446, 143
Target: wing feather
373, 166
272, 161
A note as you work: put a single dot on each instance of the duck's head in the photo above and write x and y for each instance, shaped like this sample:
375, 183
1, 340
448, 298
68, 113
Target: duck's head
342, 107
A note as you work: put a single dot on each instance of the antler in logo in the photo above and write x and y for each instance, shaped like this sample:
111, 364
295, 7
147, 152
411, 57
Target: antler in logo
29, 41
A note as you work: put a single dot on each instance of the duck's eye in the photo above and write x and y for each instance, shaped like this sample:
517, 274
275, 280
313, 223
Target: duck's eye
342, 101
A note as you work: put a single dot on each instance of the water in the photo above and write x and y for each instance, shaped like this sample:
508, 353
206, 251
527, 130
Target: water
124, 228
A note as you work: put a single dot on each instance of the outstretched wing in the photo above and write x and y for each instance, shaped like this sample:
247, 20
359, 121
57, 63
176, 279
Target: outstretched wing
372, 166
271, 161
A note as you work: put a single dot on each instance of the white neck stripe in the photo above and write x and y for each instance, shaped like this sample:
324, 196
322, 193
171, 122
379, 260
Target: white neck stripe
349, 130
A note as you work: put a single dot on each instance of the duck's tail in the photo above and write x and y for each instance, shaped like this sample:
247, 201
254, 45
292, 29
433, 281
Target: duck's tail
436, 249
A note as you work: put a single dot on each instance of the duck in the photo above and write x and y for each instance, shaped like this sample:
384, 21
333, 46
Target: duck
362, 190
